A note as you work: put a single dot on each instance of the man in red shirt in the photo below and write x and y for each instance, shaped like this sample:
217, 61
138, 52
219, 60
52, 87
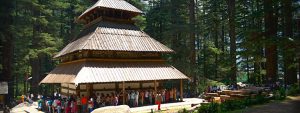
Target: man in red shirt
158, 100
83, 103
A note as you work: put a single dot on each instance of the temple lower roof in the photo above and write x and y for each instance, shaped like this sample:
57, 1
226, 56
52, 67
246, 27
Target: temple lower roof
89, 71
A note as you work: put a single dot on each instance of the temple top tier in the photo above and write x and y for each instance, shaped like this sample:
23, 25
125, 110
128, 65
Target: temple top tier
114, 9
109, 32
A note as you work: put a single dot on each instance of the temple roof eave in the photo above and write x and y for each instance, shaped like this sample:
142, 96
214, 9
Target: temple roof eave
57, 56
107, 71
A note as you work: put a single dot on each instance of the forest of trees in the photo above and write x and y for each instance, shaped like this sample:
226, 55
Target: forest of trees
252, 41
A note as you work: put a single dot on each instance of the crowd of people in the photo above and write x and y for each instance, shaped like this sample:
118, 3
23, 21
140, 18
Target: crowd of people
75, 104
83, 104
135, 98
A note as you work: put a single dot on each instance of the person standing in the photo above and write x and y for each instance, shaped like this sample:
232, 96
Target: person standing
22, 98
112, 99
175, 94
73, 106
58, 104
167, 96
142, 95
98, 101
178, 95
40, 101
49, 105
158, 99
31, 96
54, 105
107, 100
128, 98
102, 100
132, 97
91, 105
171, 95
116, 100
137, 98
83, 104
147, 97
163, 96
68, 106
78, 103
150, 97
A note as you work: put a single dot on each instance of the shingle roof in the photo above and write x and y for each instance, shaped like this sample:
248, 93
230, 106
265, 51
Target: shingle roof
103, 72
113, 4
109, 36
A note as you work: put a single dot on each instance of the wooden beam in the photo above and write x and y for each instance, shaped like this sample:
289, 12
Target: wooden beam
123, 92
181, 90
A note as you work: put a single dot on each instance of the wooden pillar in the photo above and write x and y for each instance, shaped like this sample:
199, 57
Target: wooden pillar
181, 90
123, 91
91, 90
88, 90
78, 90
68, 89
155, 89
141, 85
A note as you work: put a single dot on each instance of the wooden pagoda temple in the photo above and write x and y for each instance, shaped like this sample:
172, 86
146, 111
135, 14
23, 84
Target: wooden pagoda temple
111, 54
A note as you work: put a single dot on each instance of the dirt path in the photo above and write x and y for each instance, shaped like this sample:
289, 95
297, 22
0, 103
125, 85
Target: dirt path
291, 105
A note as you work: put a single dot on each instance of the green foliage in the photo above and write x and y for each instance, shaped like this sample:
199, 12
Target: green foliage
140, 21
293, 90
231, 105
41, 28
183, 111
209, 108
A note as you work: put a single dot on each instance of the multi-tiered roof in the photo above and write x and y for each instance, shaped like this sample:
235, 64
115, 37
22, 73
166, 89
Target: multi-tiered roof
111, 48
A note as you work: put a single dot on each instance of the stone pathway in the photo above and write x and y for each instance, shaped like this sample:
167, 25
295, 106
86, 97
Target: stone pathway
291, 105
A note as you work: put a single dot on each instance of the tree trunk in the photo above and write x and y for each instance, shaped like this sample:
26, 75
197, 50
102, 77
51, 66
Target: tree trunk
270, 47
290, 72
232, 35
248, 70
7, 43
7, 64
34, 60
35, 73
216, 31
192, 39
